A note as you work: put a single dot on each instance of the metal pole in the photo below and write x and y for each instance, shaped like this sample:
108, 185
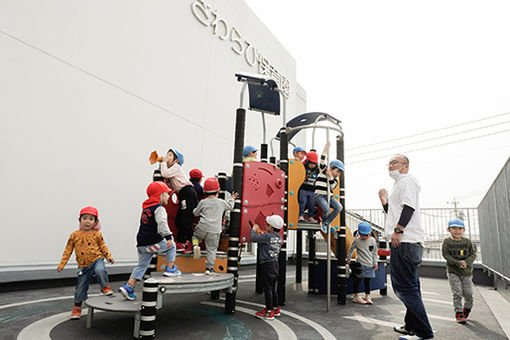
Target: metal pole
235, 215
328, 268
282, 257
299, 256
263, 153
340, 244
148, 309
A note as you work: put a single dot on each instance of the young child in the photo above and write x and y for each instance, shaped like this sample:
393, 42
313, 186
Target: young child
195, 177
90, 250
299, 153
210, 210
270, 244
172, 171
366, 247
249, 154
327, 174
460, 255
153, 237
306, 191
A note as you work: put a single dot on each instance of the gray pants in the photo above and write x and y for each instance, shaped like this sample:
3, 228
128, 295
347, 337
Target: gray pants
211, 245
461, 286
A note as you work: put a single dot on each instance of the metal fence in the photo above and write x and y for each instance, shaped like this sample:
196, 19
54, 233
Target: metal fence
494, 219
435, 222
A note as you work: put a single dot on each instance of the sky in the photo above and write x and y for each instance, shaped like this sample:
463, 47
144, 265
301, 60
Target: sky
394, 69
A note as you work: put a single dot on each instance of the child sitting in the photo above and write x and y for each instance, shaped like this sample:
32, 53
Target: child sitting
366, 247
270, 244
249, 154
210, 210
90, 252
460, 255
306, 191
153, 237
176, 179
299, 153
327, 175
195, 177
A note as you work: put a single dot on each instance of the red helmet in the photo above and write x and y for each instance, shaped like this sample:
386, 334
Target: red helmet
211, 185
312, 157
90, 211
195, 173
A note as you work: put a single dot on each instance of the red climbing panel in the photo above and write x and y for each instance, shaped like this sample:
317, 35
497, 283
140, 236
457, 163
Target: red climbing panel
262, 196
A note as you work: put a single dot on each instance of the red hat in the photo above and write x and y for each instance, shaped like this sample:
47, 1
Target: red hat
312, 157
211, 185
196, 173
154, 191
90, 211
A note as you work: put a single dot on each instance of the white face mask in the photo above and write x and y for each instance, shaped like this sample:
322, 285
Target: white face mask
394, 174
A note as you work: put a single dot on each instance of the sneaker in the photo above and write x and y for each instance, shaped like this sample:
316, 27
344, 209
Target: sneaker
411, 337
466, 312
209, 271
358, 299
276, 311
301, 218
174, 271
403, 330
180, 247
312, 220
107, 290
368, 300
196, 252
460, 317
128, 292
76, 313
264, 314
188, 248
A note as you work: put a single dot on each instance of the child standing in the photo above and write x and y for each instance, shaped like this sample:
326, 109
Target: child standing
306, 191
327, 175
153, 237
210, 210
366, 247
90, 252
270, 244
460, 255
195, 177
171, 170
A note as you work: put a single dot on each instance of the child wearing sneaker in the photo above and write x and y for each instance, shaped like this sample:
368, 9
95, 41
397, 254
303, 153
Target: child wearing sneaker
460, 255
210, 210
270, 244
366, 248
171, 170
306, 191
327, 175
90, 252
153, 237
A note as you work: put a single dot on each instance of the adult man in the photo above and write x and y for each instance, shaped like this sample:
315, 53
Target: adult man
407, 236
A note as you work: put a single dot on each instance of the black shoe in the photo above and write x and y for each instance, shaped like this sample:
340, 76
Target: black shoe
460, 317
466, 312
403, 330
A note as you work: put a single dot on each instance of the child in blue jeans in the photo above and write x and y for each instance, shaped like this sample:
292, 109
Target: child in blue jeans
153, 237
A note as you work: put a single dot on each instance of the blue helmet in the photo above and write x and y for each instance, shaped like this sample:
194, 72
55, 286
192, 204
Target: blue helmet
364, 228
248, 149
297, 149
456, 223
179, 155
337, 164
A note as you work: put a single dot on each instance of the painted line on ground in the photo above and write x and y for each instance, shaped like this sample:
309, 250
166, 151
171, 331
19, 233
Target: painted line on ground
282, 330
430, 293
42, 300
438, 301
437, 317
361, 318
234, 328
320, 329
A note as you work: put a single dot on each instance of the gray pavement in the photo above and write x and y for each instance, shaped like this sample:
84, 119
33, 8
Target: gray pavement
44, 312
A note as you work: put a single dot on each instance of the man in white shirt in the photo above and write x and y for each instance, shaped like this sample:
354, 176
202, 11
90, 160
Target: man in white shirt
406, 233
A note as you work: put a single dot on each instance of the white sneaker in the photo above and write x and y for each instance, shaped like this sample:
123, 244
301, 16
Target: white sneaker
196, 252
209, 271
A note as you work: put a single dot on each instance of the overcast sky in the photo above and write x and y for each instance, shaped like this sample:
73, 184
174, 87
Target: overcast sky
391, 69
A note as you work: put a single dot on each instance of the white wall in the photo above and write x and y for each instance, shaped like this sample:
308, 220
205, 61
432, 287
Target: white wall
89, 89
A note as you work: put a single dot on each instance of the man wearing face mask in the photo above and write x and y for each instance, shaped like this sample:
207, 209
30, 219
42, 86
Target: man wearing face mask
407, 236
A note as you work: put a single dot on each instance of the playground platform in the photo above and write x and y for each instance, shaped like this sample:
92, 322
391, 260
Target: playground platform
43, 314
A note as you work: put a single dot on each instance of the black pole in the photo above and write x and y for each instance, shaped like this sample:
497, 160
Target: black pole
148, 309
311, 260
235, 215
263, 153
272, 160
282, 257
340, 242
383, 245
299, 256
258, 274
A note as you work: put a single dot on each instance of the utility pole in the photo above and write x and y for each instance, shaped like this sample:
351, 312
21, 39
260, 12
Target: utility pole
458, 214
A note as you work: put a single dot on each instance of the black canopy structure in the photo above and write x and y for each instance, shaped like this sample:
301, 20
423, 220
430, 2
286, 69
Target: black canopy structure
309, 120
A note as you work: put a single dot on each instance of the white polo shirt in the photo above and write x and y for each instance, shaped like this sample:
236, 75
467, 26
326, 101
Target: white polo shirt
406, 191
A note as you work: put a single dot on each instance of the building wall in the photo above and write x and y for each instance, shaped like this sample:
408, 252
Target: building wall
89, 89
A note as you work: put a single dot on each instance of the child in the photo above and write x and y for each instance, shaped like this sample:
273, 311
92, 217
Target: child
321, 189
210, 210
176, 179
90, 252
366, 247
153, 237
299, 153
249, 154
460, 255
270, 244
195, 177
306, 191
